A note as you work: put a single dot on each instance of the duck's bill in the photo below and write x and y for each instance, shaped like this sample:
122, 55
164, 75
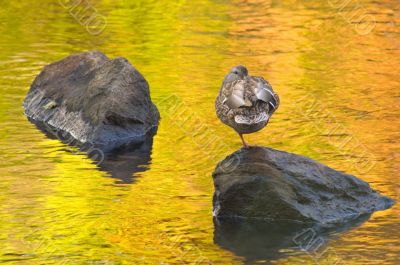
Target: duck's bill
251, 119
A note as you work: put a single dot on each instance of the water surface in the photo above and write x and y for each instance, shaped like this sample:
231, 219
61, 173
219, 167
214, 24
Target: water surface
335, 67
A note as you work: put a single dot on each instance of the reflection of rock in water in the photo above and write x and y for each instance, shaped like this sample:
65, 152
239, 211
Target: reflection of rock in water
124, 163
269, 240
120, 163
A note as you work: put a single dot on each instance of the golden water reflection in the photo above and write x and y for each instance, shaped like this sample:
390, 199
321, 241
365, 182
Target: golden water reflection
57, 206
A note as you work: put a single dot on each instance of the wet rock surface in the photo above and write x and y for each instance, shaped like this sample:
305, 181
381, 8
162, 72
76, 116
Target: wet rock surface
99, 102
263, 183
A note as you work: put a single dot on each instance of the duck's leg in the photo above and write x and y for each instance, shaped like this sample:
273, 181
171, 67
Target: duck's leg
243, 141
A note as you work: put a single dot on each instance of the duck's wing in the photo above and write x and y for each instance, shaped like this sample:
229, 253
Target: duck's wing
233, 94
263, 91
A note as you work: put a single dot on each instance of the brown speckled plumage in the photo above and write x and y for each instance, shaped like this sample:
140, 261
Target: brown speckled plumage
245, 103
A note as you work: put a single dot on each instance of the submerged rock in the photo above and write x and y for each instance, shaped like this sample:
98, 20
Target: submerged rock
264, 183
100, 102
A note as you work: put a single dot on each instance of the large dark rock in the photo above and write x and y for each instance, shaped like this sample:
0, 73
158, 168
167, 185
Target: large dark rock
100, 102
265, 183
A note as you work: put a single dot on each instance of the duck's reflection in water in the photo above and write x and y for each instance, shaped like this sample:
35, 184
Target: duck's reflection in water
273, 240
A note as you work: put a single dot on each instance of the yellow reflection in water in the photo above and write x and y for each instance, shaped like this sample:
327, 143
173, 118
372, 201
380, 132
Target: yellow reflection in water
57, 206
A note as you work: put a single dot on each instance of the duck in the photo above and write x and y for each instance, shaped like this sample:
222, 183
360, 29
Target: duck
245, 103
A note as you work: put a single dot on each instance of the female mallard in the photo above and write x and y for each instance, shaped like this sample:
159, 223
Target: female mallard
245, 103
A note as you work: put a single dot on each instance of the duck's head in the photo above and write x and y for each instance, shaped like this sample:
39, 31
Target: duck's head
237, 73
